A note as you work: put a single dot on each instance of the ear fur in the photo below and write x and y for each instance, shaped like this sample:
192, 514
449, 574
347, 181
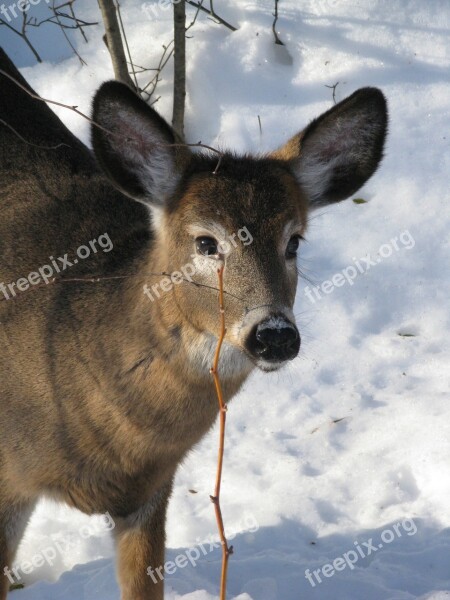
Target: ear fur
338, 152
134, 145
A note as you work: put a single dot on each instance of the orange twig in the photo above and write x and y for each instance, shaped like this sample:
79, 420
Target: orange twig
226, 550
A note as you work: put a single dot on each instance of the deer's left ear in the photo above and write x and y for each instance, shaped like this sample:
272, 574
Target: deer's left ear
338, 152
135, 146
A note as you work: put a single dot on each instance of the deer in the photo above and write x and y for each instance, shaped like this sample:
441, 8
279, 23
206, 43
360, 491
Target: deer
104, 390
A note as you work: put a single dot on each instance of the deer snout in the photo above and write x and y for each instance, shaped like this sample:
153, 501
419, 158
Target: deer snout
274, 340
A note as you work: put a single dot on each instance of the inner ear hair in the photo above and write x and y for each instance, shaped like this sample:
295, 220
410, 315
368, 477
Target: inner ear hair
337, 152
141, 158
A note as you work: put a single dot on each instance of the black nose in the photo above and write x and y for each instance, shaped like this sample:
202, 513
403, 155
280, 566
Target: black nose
275, 339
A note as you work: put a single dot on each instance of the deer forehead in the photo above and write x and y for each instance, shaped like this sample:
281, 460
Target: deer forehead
270, 204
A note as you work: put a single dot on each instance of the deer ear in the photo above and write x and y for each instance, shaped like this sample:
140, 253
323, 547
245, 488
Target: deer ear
133, 145
338, 152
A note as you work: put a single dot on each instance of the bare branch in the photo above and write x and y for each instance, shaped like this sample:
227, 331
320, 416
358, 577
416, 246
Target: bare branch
274, 24
99, 278
47, 101
80, 23
65, 34
10, 127
23, 34
58, 14
333, 87
58, 18
165, 57
212, 13
108, 131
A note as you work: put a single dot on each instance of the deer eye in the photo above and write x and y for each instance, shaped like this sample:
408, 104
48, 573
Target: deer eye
292, 247
206, 246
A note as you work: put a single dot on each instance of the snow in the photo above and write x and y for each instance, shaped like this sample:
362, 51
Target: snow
352, 439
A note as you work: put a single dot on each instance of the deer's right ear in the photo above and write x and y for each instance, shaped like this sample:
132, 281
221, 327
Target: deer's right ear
338, 152
132, 144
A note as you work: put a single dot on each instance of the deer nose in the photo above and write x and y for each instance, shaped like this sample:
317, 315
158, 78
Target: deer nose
274, 340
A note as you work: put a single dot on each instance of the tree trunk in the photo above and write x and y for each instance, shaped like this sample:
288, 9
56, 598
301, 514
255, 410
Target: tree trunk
114, 42
179, 79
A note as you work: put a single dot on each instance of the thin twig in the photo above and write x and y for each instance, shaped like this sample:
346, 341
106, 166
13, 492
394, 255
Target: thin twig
98, 278
33, 22
162, 63
212, 13
274, 24
166, 55
58, 18
226, 550
195, 17
31, 143
108, 131
333, 87
142, 69
47, 101
80, 23
23, 35
55, 11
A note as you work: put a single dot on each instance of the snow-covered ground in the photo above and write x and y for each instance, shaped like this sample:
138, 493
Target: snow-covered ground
342, 459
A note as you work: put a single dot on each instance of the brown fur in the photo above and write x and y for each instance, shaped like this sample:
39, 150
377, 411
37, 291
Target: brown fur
104, 392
